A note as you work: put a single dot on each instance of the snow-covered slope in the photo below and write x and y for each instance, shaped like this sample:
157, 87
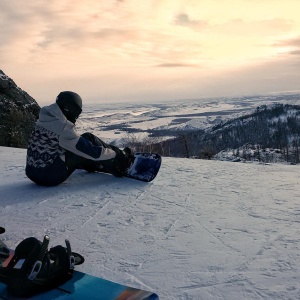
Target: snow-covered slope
200, 230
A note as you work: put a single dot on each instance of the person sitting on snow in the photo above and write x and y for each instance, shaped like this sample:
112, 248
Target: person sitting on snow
56, 150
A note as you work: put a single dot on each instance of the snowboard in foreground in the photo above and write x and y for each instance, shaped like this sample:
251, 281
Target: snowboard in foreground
144, 167
83, 286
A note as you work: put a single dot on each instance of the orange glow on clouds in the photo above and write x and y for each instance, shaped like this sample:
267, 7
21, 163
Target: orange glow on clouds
123, 49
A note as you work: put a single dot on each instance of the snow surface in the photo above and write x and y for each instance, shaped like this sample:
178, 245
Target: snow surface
201, 230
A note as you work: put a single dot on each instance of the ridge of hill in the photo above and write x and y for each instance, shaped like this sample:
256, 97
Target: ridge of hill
275, 126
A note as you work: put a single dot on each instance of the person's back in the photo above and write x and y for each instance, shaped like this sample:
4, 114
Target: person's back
45, 156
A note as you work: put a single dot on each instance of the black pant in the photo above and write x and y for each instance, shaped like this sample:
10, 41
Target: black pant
74, 161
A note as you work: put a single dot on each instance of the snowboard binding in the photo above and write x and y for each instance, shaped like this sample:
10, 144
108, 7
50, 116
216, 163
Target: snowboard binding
4, 251
33, 268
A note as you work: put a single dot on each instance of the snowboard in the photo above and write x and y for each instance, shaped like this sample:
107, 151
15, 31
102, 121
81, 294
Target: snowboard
144, 167
84, 286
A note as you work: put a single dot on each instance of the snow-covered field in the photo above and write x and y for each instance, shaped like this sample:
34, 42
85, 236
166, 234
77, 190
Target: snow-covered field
112, 121
200, 230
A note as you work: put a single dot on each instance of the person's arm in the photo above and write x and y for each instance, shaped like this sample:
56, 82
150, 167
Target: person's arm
70, 140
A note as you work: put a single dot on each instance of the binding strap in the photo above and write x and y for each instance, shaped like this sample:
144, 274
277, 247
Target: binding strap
70, 255
38, 264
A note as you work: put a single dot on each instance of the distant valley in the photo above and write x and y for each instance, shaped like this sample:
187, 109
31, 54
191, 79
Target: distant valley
172, 118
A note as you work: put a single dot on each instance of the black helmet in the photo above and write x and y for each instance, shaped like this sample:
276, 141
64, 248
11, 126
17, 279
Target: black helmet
70, 104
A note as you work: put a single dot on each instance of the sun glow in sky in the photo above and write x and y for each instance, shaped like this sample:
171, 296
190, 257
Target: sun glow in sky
133, 50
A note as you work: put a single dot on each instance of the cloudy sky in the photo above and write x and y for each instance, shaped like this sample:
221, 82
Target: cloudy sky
145, 50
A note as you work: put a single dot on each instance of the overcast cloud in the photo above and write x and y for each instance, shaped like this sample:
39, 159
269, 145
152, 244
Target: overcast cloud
150, 50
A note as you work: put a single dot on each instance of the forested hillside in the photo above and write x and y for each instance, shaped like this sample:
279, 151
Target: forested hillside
276, 126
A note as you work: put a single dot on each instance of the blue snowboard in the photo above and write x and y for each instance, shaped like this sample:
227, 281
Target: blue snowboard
83, 286
80, 287
144, 167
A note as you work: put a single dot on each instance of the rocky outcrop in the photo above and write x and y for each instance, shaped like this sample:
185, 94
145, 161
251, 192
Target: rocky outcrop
18, 114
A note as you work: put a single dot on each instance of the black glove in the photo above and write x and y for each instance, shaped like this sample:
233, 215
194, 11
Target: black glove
122, 161
129, 154
124, 157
